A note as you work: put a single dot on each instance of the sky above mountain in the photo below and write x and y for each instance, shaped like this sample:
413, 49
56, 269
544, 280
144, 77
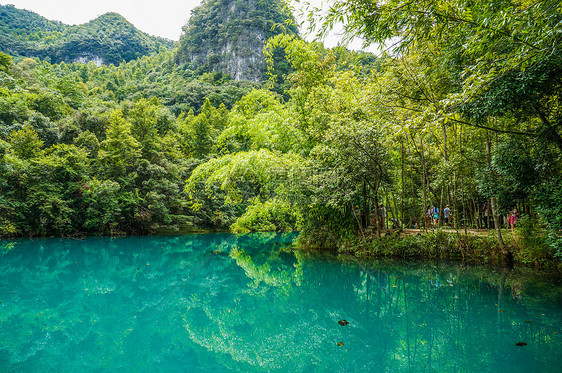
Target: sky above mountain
163, 18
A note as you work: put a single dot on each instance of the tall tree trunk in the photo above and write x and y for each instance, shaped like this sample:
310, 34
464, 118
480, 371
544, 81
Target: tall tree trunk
377, 217
423, 180
463, 199
441, 207
445, 153
403, 187
414, 205
493, 201
463, 205
455, 209
365, 212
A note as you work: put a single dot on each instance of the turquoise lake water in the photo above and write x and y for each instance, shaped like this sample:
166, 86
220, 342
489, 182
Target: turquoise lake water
218, 302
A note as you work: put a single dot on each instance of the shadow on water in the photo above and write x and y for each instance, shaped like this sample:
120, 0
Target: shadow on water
216, 302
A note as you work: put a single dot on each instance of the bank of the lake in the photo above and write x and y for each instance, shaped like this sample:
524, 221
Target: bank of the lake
519, 249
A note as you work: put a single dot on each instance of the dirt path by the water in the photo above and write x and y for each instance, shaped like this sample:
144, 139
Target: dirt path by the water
472, 232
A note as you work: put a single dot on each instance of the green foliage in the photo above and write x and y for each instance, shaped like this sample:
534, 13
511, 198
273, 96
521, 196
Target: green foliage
5, 62
273, 215
550, 198
26, 143
532, 241
120, 150
435, 245
102, 198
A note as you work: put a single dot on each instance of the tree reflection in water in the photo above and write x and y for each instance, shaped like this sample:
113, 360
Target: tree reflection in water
254, 303
403, 316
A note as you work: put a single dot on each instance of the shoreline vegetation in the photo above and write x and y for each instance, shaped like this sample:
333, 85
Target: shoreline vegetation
476, 246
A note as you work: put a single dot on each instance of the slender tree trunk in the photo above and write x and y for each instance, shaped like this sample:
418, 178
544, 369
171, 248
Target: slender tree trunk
474, 217
365, 225
445, 153
423, 180
394, 209
463, 205
493, 202
403, 187
414, 205
455, 210
441, 207
377, 217
463, 199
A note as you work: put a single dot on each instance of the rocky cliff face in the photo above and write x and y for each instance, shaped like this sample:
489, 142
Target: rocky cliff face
85, 58
229, 35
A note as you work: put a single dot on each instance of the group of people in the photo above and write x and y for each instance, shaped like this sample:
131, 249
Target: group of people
378, 217
432, 216
510, 217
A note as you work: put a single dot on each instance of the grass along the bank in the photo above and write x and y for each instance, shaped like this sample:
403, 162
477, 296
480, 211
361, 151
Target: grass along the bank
527, 246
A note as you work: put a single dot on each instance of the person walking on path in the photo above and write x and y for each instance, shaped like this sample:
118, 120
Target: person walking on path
446, 212
382, 215
435, 215
513, 219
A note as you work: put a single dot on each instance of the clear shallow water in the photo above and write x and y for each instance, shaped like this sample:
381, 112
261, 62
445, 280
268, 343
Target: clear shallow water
217, 302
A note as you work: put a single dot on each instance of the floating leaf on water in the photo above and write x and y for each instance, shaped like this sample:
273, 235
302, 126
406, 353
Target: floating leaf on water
343, 322
521, 344
340, 343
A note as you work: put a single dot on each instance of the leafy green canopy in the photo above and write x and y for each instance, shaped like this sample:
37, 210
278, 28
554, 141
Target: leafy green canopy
505, 55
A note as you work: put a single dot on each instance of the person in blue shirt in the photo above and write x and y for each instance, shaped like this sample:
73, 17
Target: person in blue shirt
435, 215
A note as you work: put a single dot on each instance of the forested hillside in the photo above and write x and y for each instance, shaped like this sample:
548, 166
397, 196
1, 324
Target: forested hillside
108, 39
108, 149
466, 114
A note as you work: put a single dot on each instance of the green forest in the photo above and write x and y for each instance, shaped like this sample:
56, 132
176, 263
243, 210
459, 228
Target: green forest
464, 110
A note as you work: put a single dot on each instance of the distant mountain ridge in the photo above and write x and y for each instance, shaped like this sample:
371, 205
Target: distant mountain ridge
108, 39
